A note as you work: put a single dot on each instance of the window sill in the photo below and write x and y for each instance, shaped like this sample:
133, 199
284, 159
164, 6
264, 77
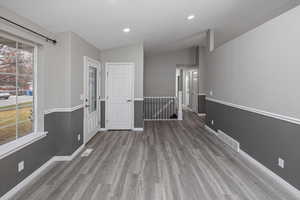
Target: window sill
16, 145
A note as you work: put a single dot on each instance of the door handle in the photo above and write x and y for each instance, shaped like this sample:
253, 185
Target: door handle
128, 100
87, 105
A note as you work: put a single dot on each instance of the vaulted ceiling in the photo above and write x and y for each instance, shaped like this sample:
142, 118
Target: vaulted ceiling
161, 24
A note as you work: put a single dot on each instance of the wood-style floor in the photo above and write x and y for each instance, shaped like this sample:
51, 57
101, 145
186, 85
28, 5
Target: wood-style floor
170, 160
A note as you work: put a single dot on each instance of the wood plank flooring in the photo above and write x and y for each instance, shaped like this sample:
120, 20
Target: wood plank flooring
171, 160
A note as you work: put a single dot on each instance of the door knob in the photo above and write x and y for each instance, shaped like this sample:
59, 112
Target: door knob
128, 100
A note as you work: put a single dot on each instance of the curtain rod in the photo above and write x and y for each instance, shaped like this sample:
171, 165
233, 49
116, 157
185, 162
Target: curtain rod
30, 30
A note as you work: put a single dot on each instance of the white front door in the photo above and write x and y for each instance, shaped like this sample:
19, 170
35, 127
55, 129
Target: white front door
91, 101
119, 96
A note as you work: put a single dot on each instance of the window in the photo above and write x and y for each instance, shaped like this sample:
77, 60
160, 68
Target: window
16, 89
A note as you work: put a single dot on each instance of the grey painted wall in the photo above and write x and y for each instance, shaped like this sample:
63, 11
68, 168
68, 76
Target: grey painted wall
138, 114
102, 108
130, 54
264, 138
201, 104
62, 128
67, 126
201, 70
67, 58
41, 151
160, 71
33, 156
57, 73
60, 80
260, 69
79, 49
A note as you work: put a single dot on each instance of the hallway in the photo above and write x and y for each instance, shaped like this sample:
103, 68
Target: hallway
170, 160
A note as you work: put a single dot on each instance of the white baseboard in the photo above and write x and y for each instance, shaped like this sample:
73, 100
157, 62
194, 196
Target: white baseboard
138, 129
37, 172
69, 158
264, 169
201, 114
211, 130
270, 173
134, 129
27, 180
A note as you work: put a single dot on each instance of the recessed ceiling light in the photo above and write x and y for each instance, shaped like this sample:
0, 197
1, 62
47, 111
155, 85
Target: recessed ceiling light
190, 17
126, 30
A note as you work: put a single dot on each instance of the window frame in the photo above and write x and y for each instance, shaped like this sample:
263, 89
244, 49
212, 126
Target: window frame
19, 143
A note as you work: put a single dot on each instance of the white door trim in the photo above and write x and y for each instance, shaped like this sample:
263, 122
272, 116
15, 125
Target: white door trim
106, 90
86, 59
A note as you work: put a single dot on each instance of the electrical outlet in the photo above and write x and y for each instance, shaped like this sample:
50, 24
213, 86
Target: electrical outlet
212, 122
281, 162
78, 137
20, 166
211, 93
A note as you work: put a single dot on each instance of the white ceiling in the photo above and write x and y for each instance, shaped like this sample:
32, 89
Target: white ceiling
160, 24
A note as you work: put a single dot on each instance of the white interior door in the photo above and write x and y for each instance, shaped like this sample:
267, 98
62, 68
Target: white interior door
91, 104
119, 96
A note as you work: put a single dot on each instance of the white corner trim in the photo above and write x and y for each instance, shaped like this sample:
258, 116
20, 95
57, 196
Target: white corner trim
138, 129
52, 110
270, 173
27, 180
102, 129
37, 172
139, 99
69, 158
16, 145
254, 110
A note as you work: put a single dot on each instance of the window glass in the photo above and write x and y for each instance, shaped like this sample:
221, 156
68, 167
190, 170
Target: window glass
16, 90
92, 89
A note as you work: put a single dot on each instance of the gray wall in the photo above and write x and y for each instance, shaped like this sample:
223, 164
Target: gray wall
57, 70
79, 49
60, 80
130, 54
62, 128
139, 114
65, 126
202, 70
67, 57
160, 71
260, 69
133, 54
264, 138
41, 151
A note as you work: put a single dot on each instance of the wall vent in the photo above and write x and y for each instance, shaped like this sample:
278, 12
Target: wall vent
235, 145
